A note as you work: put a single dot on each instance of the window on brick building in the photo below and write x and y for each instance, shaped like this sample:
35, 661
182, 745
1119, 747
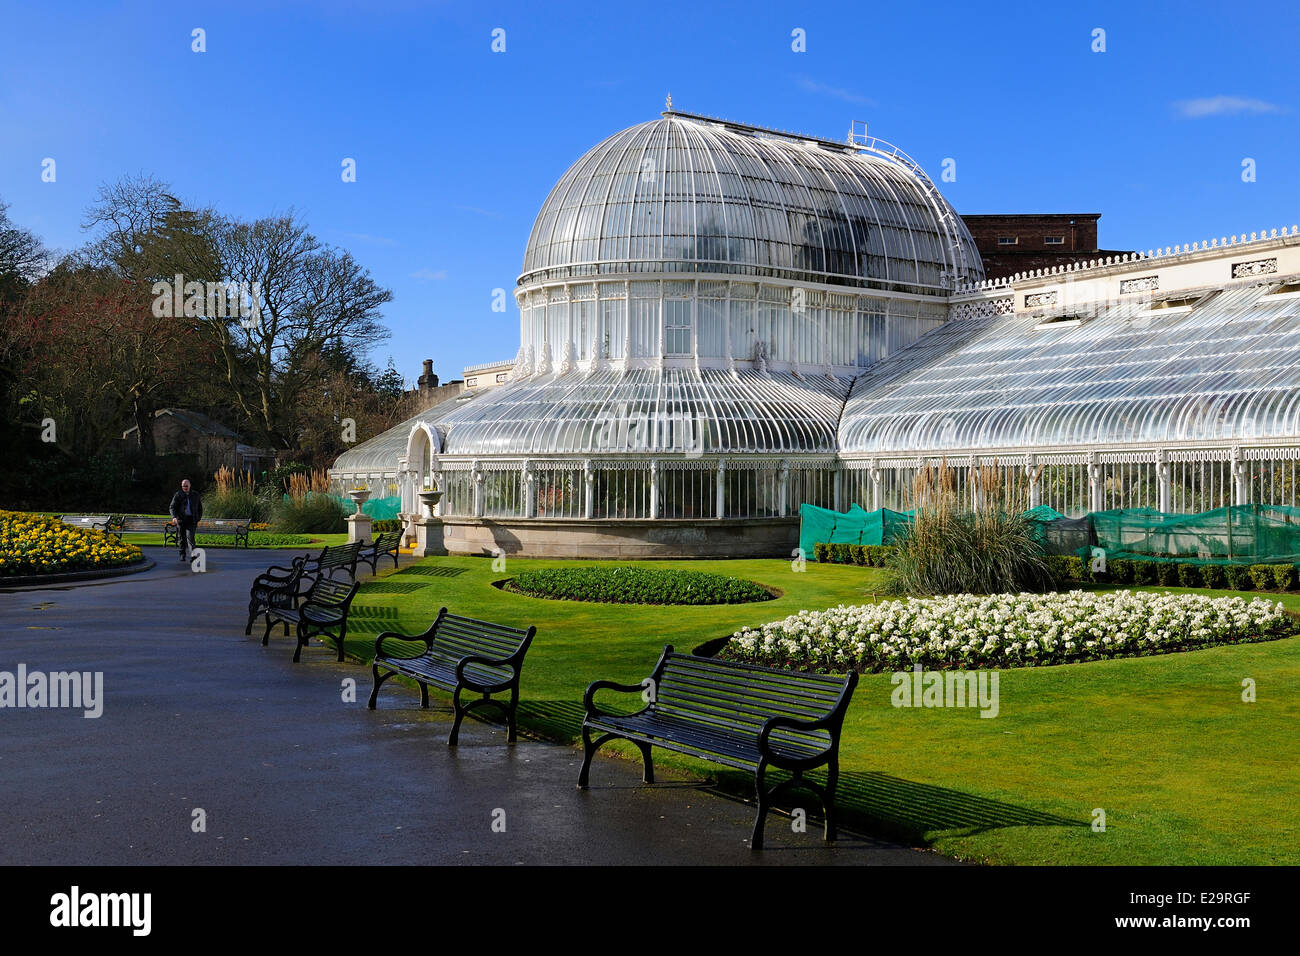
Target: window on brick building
1054, 240
1008, 240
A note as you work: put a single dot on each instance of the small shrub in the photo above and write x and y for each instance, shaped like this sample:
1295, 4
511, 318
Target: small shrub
842, 554
1144, 572
1120, 570
1238, 577
822, 552
1261, 577
256, 539
1213, 575
1189, 576
1284, 577
387, 524
878, 554
1166, 573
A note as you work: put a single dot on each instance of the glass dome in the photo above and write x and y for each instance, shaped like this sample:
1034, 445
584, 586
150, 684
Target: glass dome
688, 194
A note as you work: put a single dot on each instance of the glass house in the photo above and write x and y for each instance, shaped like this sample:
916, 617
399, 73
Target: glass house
719, 322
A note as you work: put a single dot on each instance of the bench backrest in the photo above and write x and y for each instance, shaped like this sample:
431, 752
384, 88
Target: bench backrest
724, 695
329, 591
334, 556
460, 637
386, 541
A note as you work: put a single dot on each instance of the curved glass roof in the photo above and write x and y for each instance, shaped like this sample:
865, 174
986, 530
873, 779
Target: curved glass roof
688, 194
1227, 369
379, 455
676, 411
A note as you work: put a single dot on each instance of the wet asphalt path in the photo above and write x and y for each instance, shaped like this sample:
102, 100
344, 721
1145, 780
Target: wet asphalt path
196, 716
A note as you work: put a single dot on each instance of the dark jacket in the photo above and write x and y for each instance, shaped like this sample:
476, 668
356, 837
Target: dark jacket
177, 508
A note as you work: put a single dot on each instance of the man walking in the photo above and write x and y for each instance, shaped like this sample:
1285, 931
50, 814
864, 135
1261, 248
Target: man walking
186, 511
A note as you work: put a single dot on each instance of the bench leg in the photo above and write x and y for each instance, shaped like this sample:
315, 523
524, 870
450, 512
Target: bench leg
270, 623
589, 748
379, 682
343, 631
460, 715
301, 642
424, 696
512, 729
756, 839
252, 613
828, 798
648, 768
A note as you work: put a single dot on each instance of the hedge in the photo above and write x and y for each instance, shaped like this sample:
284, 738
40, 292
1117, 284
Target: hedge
863, 555
1235, 577
635, 585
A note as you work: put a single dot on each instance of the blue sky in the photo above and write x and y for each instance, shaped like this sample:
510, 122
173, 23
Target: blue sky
457, 147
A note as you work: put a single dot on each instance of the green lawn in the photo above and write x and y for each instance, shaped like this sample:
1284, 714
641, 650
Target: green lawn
1185, 771
317, 541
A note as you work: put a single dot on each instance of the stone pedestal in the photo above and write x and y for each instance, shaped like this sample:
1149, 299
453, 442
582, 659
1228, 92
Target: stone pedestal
428, 527
428, 537
358, 528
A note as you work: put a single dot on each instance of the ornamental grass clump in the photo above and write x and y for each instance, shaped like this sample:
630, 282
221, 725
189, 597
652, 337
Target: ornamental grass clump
954, 548
235, 496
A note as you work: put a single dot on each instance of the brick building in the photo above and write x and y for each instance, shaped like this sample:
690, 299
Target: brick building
1011, 244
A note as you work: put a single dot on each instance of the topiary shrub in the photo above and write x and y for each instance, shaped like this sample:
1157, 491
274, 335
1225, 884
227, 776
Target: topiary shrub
1238, 577
1121, 571
1144, 572
822, 552
387, 524
1166, 573
1189, 576
859, 553
841, 553
1213, 575
1285, 577
1261, 577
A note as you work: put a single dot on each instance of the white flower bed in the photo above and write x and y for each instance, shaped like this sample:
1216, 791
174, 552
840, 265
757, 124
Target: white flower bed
1006, 630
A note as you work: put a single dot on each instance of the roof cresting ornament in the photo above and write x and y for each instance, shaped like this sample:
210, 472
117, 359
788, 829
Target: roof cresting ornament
668, 103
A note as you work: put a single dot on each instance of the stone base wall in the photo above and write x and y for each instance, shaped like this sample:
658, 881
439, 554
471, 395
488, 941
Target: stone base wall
540, 538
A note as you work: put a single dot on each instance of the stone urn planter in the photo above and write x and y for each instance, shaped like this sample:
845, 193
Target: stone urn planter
359, 523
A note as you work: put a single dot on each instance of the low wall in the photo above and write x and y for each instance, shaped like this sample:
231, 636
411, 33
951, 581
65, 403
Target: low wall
543, 538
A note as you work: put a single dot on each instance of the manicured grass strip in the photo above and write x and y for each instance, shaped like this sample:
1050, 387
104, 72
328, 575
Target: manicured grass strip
1186, 772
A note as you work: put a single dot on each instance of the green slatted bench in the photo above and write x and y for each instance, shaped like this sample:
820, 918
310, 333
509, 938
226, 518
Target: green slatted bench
323, 612
460, 654
737, 715
237, 527
385, 543
334, 557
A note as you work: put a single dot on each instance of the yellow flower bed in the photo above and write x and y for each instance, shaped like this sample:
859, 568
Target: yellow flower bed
35, 544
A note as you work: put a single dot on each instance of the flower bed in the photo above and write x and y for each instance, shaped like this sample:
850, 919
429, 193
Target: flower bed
636, 586
1006, 630
256, 539
40, 544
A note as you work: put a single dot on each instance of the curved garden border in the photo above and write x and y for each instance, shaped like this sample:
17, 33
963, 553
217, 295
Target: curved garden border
70, 577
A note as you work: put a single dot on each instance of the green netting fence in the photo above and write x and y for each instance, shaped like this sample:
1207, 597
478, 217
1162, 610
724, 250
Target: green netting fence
380, 509
1241, 534
855, 526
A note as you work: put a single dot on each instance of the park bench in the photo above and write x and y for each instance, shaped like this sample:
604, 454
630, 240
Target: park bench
460, 654
333, 557
385, 543
116, 525
323, 611
737, 715
277, 586
232, 526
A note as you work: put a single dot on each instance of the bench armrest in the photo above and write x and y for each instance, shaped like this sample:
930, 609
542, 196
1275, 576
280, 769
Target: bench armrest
829, 722
464, 662
589, 703
427, 637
